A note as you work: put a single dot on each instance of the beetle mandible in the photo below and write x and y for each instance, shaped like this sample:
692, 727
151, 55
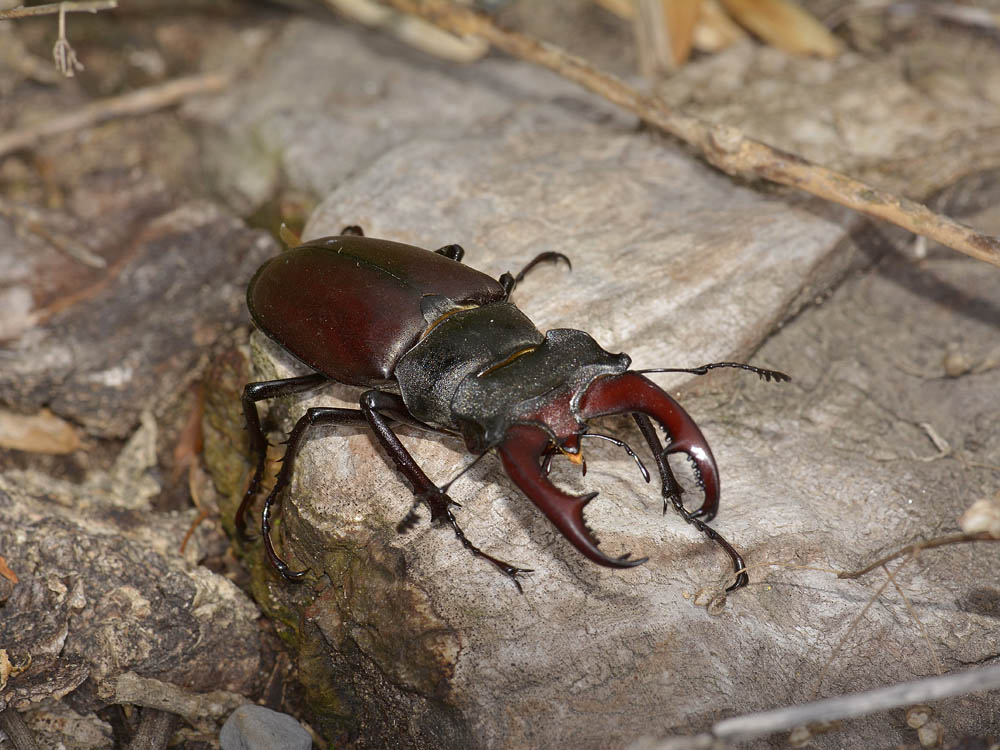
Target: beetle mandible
465, 361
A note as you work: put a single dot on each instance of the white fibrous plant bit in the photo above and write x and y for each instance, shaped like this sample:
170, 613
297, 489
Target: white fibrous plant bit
982, 515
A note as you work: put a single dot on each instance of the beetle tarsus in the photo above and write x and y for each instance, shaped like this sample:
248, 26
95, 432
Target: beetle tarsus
265, 523
511, 571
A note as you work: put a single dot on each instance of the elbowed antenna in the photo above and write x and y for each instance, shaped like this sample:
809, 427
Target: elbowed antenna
768, 375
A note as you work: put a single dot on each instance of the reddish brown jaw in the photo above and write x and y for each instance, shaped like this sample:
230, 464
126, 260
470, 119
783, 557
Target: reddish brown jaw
521, 452
630, 393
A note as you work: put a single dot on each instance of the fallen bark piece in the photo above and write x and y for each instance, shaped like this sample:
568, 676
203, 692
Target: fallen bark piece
95, 601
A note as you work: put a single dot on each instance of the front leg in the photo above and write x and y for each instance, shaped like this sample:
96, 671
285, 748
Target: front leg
672, 493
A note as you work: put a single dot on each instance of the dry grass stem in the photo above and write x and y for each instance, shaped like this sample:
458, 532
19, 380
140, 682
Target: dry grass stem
725, 147
138, 102
847, 634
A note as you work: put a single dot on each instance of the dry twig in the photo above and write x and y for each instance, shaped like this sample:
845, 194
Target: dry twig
859, 704
725, 147
138, 102
912, 549
32, 221
91, 6
17, 731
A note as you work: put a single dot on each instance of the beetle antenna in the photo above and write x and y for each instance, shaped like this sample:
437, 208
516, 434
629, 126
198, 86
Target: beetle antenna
768, 375
621, 444
473, 462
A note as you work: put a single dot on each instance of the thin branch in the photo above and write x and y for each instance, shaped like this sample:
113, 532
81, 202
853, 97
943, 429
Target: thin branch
859, 704
91, 6
138, 102
14, 727
940, 541
724, 146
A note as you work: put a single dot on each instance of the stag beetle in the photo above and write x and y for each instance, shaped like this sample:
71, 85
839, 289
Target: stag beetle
465, 361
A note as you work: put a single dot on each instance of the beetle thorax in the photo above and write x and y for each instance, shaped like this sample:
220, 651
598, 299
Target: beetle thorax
480, 370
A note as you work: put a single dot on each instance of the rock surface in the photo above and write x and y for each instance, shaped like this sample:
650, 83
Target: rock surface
589, 657
408, 641
99, 345
259, 728
94, 600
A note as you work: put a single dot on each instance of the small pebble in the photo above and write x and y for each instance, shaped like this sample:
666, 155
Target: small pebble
253, 727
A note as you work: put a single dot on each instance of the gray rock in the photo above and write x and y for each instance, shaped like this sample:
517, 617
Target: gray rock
253, 727
677, 266
289, 125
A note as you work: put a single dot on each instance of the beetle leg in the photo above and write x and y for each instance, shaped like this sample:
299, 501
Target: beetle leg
672, 492
631, 392
376, 406
508, 282
454, 252
252, 393
352, 230
670, 489
315, 416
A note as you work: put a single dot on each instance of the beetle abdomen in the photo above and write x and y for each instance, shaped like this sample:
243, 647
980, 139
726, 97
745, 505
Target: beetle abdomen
354, 306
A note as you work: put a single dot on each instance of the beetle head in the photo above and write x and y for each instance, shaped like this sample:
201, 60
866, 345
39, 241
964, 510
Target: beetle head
562, 418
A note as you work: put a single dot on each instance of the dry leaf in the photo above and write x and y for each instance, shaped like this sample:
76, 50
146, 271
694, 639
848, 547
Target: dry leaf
6, 572
681, 16
715, 30
785, 25
43, 432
